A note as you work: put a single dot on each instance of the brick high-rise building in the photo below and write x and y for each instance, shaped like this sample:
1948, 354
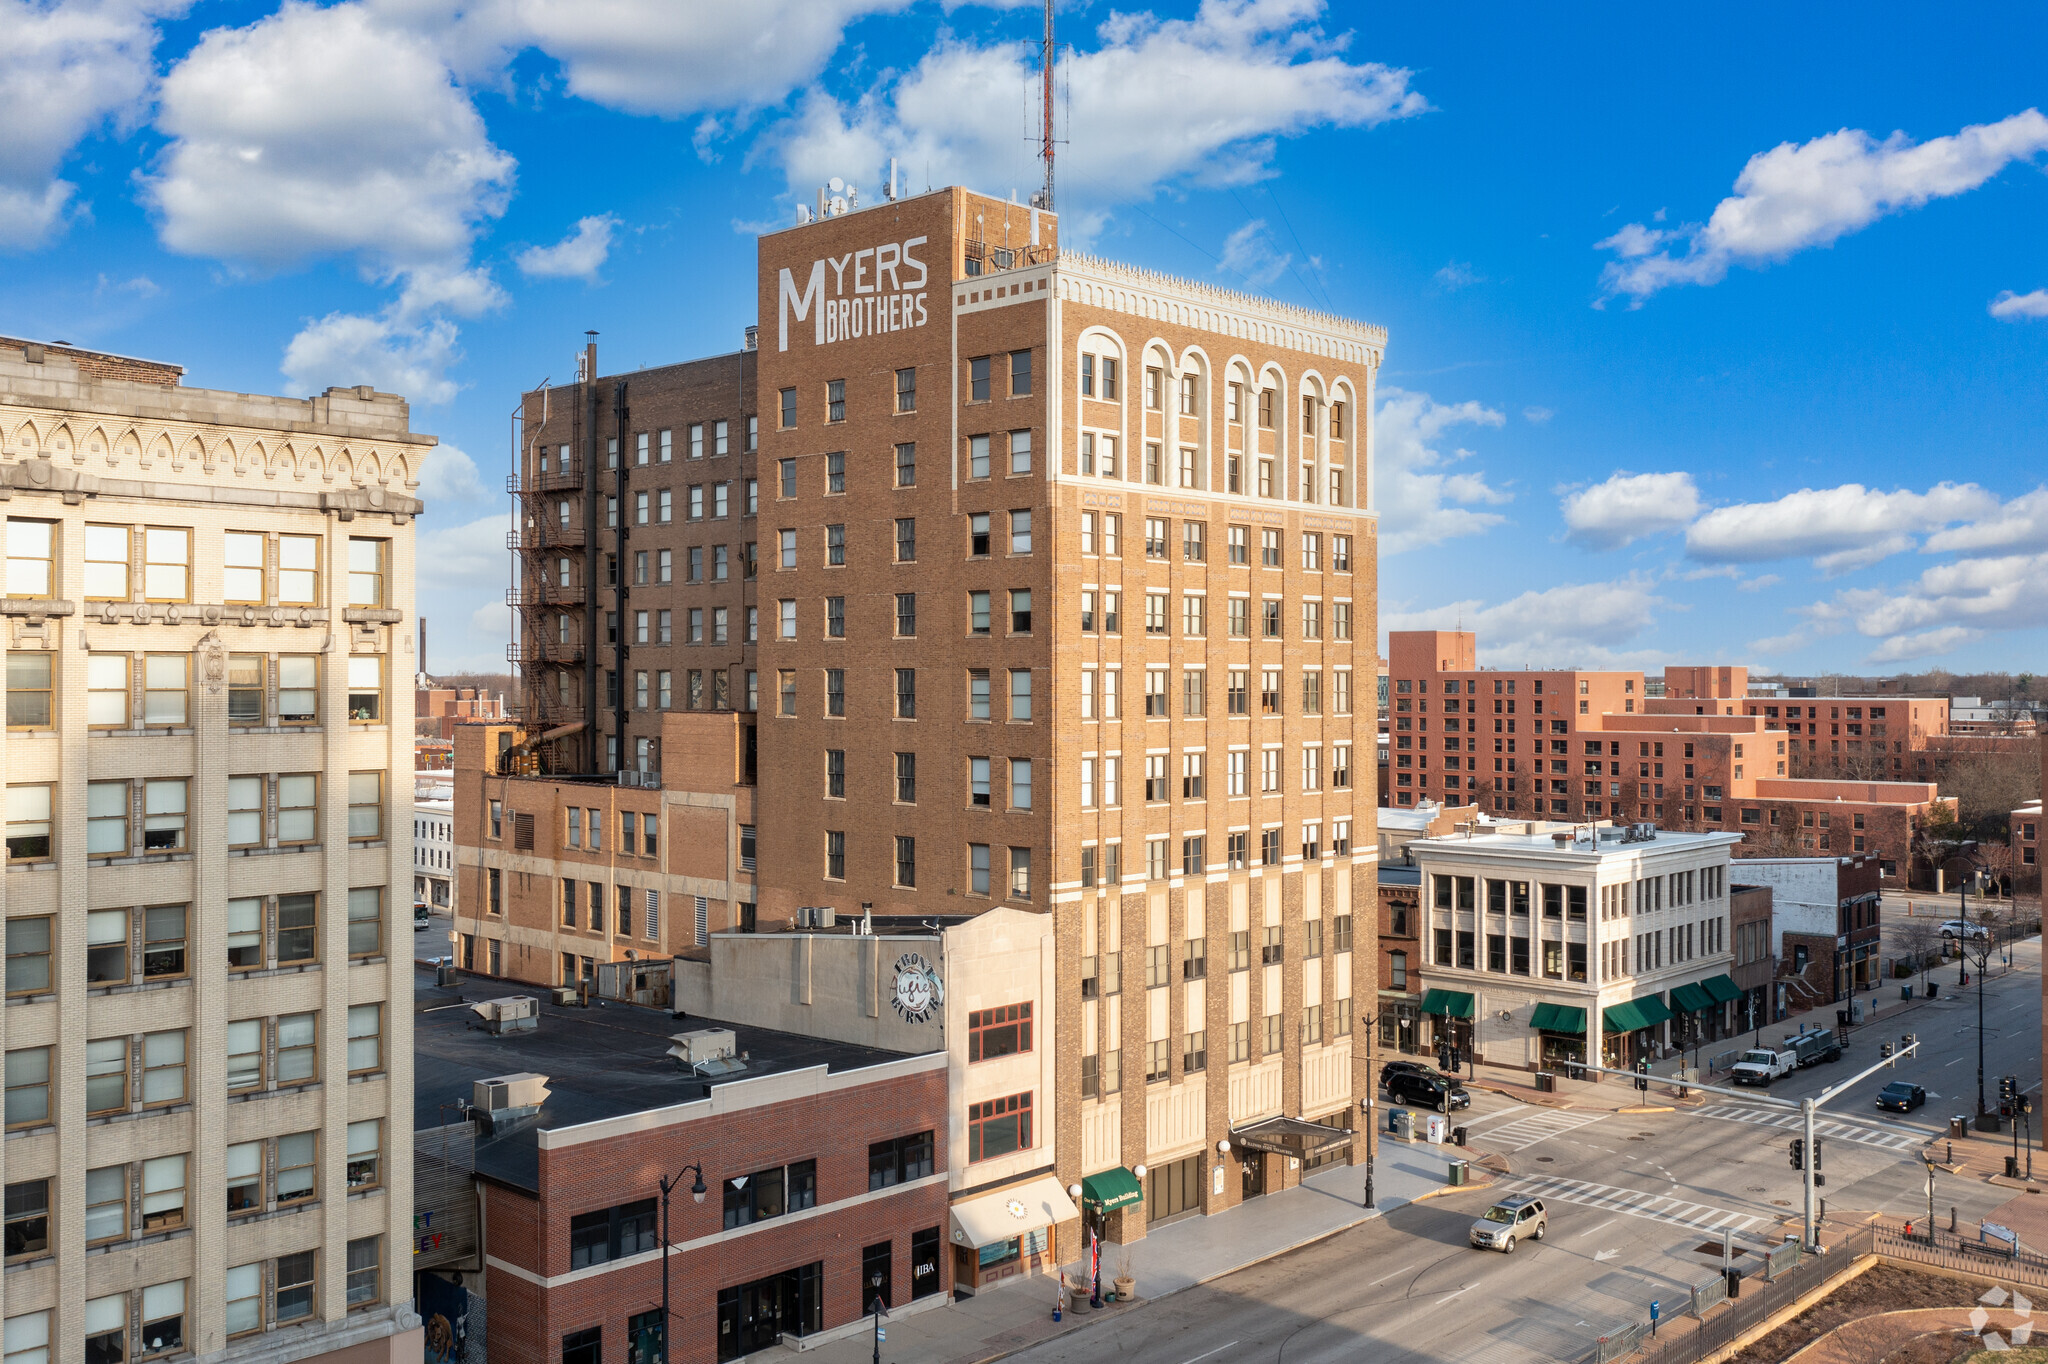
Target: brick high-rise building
1062, 569
209, 821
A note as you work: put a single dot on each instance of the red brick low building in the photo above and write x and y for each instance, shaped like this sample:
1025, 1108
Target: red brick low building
823, 1164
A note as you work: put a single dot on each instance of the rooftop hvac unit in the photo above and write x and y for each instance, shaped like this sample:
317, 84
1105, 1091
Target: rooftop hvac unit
706, 1052
816, 916
509, 1013
501, 1093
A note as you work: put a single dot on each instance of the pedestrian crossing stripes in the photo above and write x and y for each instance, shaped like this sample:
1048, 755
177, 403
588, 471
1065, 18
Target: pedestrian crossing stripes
1834, 1131
1675, 1212
1531, 1128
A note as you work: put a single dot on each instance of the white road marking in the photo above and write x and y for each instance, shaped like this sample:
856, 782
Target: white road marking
1657, 1207
1444, 1299
1206, 1353
1602, 1227
1791, 1122
1543, 1125
1605, 1255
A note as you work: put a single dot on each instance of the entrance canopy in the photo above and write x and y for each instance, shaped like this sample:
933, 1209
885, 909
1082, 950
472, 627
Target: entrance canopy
1559, 1018
1690, 999
1296, 1137
1112, 1189
1724, 990
996, 1217
1451, 1003
1636, 1014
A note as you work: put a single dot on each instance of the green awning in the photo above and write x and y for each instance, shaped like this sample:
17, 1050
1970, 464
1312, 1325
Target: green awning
1451, 1003
1724, 990
1636, 1014
1690, 999
1112, 1189
1559, 1018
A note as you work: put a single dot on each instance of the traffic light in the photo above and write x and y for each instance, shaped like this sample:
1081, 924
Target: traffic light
1884, 1051
1642, 1075
1799, 1153
2008, 1095
1816, 1154
1908, 1039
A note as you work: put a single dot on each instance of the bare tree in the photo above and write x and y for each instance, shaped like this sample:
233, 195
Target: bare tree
1920, 940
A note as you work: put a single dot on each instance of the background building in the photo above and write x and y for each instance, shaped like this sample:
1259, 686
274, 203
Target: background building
1825, 914
209, 815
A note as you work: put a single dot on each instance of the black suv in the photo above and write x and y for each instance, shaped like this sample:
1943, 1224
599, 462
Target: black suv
1427, 1091
1421, 1068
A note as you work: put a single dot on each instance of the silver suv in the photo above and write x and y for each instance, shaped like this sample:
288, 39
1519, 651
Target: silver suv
1508, 1221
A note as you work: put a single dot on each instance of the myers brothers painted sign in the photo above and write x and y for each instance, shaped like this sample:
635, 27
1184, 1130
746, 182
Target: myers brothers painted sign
879, 289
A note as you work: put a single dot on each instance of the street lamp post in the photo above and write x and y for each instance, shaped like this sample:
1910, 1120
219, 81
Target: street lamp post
697, 1192
875, 1310
1372, 1135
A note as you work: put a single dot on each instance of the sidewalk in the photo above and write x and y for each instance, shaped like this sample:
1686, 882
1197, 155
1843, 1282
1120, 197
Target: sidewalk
1177, 1256
1981, 1156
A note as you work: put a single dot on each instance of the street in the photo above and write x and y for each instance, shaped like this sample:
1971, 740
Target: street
1637, 1203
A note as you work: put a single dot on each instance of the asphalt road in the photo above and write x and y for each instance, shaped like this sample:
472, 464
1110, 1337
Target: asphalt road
1634, 1201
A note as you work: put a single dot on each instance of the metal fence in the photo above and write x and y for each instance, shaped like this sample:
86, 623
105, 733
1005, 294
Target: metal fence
1722, 1324
1947, 1250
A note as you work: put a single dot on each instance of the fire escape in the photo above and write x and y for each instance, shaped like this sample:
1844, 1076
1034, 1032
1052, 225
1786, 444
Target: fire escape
548, 648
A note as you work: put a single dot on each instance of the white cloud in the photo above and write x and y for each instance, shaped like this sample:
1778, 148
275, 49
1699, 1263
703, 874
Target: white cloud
2009, 306
1841, 528
577, 256
1422, 501
1698, 575
66, 70
2006, 592
1201, 100
321, 132
466, 293
1456, 275
1758, 584
1793, 197
1536, 416
348, 348
450, 476
2019, 524
1629, 506
464, 593
1779, 644
1926, 644
1249, 252
1575, 624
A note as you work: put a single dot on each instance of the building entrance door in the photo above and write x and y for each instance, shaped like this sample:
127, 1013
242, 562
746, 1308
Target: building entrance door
1254, 1174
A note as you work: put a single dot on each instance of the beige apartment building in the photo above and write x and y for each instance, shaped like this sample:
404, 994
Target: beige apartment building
1044, 582
208, 839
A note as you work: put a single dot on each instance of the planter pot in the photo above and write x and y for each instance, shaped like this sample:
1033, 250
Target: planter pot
1126, 1289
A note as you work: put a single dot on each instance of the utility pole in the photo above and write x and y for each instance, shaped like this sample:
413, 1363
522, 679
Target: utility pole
1806, 1110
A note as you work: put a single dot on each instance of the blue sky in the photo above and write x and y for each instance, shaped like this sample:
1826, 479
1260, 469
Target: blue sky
1711, 340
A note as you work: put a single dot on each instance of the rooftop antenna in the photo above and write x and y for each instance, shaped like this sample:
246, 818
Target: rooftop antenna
1047, 64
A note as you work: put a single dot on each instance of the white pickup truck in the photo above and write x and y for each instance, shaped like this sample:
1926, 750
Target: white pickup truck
1761, 1066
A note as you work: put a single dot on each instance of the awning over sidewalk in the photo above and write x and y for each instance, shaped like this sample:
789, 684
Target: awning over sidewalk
1559, 1018
998, 1216
1723, 989
1451, 1003
1636, 1014
1112, 1189
1290, 1136
1690, 999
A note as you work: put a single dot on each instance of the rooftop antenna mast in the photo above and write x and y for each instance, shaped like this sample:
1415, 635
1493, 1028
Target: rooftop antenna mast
1047, 64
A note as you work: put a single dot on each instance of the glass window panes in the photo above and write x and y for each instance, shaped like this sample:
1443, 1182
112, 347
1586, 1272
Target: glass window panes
366, 688
163, 815
241, 579
28, 956
106, 819
106, 1202
28, 1086
298, 688
106, 947
365, 804
245, 1048
106, 563
298, 795
166, 564
30, 546
164, 687
365, 1153
362, 1270
244, 1292
106, 1327
245, 688
106, 691
365, 1040
365, 921
298, 570
106, 1075
245, 936
163, 1068
163, 941
296, 1156
366, 569
297, 935
245, 811
163, 1189
245, 1177
28, 823
28, 1338
295, 1048
163, 1318
28, 688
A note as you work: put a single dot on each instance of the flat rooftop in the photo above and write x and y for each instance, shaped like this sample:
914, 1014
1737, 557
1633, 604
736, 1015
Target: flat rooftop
1611, 841
601, 1062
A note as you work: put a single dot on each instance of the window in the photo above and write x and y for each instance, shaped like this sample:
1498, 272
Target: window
298, 938
364, 1284
1020, 873
164, 689
28, 956
906, 465
835, 618
163, 942
368, 563
977, 868
28, 1219
163, 815
1240, 544
835, 854
977, 379
365, 1153
366, 689
901, 1159
1020, 452
998, 1127
297, 1166
906, 861
31, 547
1020, 532
292, 1298
297, 1043
106, 1076
366, 920
1004, 1031
106, 1203
906, 390
28, 823
1020, 783
1020, 373
1020, 693
166, 564
106, 564
366, 807
835, 691
365, 1038
28, 689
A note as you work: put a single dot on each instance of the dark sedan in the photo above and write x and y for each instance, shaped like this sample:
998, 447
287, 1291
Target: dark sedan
1901, 1096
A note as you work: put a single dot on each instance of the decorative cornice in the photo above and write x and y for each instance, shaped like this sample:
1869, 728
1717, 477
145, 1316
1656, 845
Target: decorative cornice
1073, 265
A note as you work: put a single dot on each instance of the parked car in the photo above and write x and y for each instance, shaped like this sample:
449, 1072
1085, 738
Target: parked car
420, 917
1762, 1065
1428, 1091
1422, 1068
1963, 928
1902, 1096
1512, 1219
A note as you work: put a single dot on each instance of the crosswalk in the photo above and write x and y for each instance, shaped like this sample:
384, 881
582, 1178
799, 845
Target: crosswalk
1677, 1212
1527, 1130
1882, 1138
